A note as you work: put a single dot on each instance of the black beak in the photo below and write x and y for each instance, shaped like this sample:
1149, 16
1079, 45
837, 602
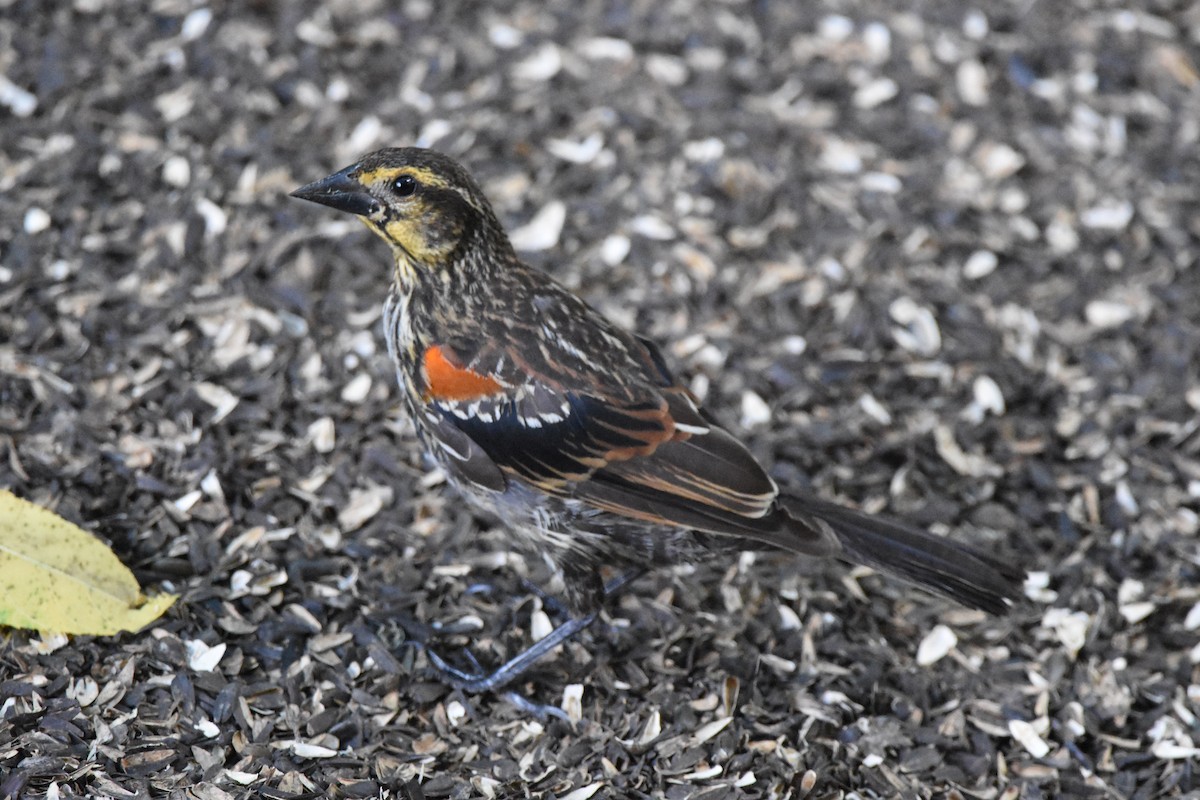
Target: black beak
342, 192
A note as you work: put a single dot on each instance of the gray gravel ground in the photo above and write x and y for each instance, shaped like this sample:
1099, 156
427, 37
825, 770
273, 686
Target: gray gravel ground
928, 258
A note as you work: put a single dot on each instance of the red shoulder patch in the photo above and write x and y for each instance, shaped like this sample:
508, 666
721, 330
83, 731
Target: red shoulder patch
446, 381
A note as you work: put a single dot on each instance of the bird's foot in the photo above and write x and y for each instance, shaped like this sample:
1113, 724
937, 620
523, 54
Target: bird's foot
476, 679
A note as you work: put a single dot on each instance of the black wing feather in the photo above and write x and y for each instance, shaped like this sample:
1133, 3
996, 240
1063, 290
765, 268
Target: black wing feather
552, 451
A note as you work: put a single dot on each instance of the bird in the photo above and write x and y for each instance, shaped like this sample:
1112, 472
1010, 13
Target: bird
575, 432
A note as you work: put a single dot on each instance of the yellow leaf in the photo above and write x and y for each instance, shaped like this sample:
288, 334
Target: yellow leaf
57, 577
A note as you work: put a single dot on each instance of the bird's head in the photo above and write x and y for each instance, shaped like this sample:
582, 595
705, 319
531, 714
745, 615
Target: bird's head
422, 203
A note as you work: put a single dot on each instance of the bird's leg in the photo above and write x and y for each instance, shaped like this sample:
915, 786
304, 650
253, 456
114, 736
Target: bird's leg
558, 608
621, 581
477, 680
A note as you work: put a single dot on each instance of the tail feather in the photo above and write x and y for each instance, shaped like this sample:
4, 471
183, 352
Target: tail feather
934, 562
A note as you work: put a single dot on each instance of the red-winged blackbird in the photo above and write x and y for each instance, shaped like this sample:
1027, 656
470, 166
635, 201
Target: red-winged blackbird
573, 431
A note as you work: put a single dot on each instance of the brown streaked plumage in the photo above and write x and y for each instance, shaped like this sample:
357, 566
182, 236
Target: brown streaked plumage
574, 430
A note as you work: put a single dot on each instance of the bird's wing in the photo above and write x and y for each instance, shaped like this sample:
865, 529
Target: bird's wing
626, 440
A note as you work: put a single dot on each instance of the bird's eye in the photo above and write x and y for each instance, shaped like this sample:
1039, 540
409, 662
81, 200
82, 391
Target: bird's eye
405, 185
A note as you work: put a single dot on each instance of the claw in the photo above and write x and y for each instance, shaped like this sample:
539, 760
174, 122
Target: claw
540, 710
